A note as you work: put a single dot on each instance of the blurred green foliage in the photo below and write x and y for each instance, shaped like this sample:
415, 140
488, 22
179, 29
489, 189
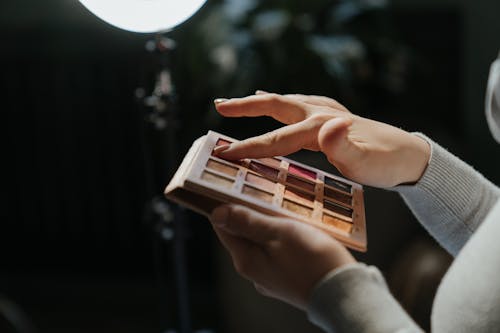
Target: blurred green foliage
343, 49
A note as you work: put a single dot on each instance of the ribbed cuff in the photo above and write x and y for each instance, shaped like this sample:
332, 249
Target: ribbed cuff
451, 199
355, 298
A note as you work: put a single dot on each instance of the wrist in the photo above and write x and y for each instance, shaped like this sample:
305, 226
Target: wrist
416, 159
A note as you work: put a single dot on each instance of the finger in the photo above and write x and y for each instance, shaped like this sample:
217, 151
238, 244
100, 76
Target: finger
284, 110
246, 223
261, 289
247, 257
319, 101
312, 100
280, 142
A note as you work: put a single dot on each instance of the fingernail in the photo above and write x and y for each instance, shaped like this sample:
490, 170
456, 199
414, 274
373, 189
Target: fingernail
220, 100
219, 216
261, 92
220, 149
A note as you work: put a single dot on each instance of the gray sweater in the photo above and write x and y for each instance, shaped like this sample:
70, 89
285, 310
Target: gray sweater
461, 210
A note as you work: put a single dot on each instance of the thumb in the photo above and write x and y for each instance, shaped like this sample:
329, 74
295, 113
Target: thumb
332, 136
246, 223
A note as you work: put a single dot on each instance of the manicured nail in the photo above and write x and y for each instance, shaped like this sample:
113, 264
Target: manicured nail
219, 216
220, 149
220, 100
261, 92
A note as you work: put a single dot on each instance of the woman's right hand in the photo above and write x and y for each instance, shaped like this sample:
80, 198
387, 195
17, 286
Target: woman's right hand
364, 150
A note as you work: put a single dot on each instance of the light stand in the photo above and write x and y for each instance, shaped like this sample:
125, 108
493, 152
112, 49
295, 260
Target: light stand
168, 221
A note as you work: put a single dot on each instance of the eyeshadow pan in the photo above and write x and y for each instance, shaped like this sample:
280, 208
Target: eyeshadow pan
339, 196
338, 185
299, 196
272, 162
256, 193
261, 182
301, 172
223, 168
264, 170
337, 223
334, 207
215, 179
303, 184
222, 142
297, 209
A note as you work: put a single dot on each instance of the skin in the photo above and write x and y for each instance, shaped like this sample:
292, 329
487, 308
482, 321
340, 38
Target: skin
285, 258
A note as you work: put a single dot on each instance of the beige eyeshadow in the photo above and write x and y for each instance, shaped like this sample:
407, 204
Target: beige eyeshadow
337, 223
222, 168
299, 196
217, 180
261, 182
339, 196
256, 193
297, 209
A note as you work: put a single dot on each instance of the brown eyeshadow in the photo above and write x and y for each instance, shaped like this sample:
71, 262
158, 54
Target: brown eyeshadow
256, 193
297, 209
337, 208
339, 196
337, 223
264, 170
303, 184
299, 196
272, 162
341, 186
261, 182
217, 180
223, 168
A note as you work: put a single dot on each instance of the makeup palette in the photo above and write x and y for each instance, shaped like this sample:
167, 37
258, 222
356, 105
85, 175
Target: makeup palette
276, 186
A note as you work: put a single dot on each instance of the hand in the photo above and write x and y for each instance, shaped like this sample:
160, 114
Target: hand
364, 150
284, 258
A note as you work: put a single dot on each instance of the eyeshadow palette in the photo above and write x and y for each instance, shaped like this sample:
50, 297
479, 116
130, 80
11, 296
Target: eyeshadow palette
277, 186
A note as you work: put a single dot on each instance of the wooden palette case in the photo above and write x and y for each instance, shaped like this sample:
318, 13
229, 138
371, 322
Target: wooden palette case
276, 186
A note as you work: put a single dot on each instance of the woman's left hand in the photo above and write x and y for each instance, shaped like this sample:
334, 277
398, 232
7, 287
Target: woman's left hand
284, 258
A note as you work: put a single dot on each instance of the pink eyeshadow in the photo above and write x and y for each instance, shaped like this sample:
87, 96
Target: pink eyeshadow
222, 142
301, 172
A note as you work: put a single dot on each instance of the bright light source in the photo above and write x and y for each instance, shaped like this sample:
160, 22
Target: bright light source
144, 15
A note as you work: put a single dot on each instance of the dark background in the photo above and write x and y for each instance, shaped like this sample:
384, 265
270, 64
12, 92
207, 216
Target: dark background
78, 249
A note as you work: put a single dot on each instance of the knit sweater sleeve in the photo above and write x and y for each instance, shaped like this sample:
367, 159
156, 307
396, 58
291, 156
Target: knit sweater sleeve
355, 299
451, 199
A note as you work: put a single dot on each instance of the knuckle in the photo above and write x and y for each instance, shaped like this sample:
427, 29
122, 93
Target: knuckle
317, 121
243, 266
261, 290
270, 138
273, 99
320, 118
